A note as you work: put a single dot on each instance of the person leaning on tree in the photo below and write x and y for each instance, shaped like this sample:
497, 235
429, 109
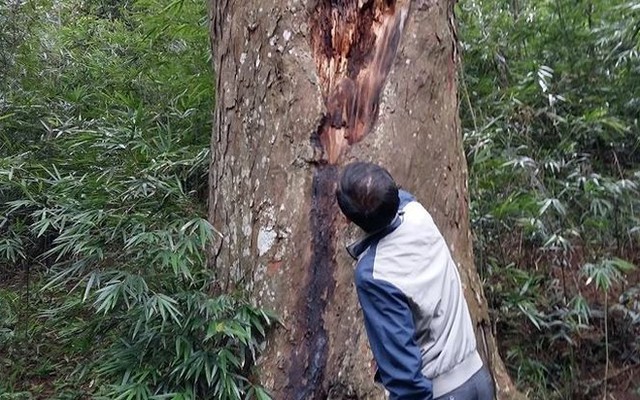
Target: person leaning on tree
415, 314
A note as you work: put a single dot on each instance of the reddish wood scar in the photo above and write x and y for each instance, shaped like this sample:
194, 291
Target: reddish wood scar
273, 267
354, 48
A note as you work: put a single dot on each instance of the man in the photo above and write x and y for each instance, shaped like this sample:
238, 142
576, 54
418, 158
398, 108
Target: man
415, 314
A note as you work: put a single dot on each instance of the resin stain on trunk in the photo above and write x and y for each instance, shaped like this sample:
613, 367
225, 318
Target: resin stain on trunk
354, 44
306, 372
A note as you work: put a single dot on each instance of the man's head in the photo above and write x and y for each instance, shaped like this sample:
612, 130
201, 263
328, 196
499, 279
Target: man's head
368, 196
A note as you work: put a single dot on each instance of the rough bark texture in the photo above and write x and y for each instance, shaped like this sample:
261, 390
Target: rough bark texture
302, 88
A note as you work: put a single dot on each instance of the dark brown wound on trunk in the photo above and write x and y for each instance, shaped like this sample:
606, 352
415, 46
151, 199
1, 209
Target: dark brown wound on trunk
307, 369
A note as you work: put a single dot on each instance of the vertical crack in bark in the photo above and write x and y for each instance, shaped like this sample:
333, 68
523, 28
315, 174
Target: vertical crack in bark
354, 43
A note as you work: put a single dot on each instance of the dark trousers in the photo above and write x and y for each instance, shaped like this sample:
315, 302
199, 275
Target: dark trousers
478, 387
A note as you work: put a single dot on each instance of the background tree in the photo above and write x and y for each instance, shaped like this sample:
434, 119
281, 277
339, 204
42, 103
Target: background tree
302, 88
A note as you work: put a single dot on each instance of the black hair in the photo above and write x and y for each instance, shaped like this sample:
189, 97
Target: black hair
368, 195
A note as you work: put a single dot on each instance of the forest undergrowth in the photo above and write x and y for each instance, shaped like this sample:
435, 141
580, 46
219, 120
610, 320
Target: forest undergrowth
550, 101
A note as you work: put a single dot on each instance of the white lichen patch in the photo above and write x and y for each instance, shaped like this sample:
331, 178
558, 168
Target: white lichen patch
266, 240
246, 225
286, 35
243, 58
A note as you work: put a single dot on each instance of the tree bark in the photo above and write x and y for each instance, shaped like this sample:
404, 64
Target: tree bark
302, 88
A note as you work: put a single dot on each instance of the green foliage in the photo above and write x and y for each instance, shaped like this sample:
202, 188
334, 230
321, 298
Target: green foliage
193, 346
550, 104
104, 149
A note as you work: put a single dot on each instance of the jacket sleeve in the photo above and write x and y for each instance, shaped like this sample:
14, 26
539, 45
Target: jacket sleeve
390, 328
405, 198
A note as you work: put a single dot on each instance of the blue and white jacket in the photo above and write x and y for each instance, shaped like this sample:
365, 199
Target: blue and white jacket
415, 313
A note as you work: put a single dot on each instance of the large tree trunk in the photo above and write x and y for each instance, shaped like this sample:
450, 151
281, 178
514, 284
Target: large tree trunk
302, 88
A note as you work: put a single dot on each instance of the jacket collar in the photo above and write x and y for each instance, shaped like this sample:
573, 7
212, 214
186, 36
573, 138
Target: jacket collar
357, 248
